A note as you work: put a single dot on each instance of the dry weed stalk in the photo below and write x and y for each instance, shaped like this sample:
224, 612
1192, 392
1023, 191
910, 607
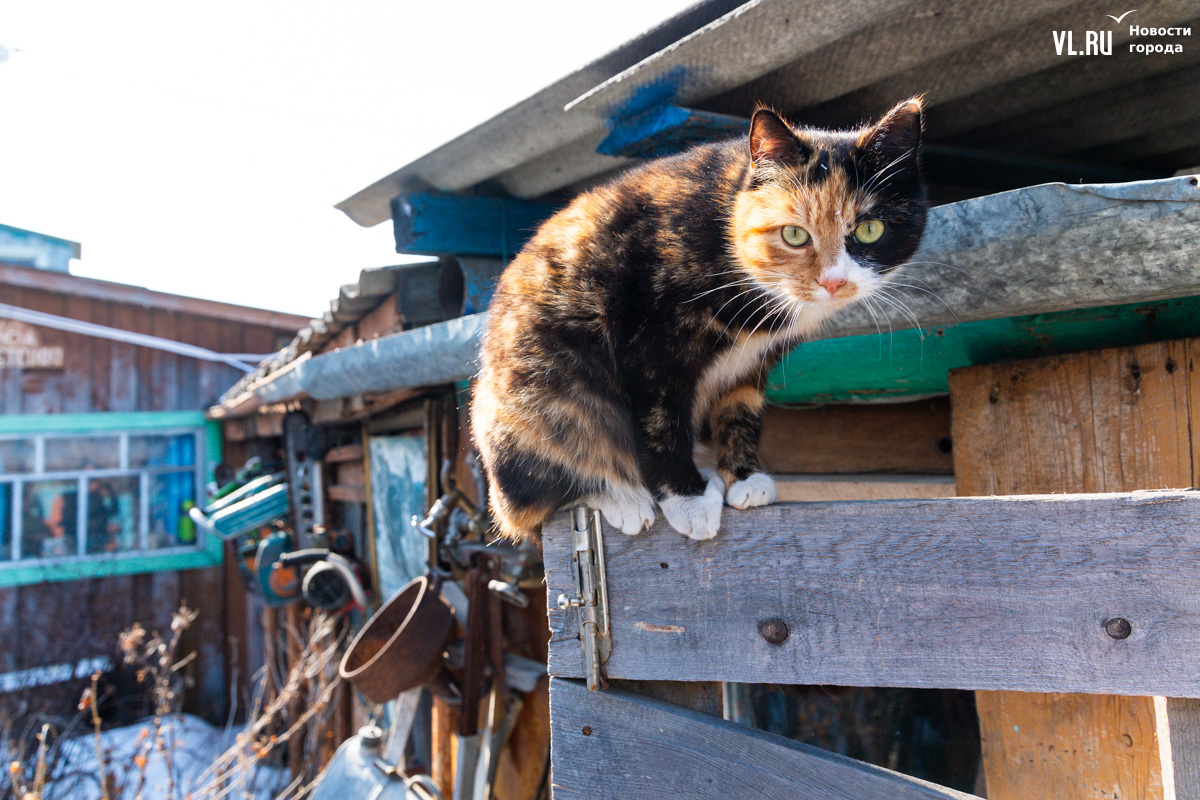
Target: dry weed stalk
309, 688
312, 677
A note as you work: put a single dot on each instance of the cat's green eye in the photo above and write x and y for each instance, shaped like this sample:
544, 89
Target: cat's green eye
869, 232
795, 235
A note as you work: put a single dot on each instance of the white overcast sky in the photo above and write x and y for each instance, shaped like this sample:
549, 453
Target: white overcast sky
199, 147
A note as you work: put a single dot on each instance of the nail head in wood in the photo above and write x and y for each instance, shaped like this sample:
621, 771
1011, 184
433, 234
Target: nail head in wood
774, 630
1118, 628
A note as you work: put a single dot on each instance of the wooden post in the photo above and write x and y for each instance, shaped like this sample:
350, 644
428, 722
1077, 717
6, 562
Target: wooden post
1104, 421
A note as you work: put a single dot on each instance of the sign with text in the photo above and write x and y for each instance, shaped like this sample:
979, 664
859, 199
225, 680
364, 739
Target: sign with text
21, 348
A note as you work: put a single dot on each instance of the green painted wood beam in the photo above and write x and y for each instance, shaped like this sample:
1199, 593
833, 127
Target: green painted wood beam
914, 363
101, 421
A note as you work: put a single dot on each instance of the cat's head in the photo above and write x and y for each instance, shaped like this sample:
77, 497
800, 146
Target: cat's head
824, 216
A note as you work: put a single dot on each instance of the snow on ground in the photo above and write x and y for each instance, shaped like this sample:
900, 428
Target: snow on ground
197, 746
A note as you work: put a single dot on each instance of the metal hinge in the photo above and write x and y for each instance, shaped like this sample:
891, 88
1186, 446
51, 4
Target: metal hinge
591, 592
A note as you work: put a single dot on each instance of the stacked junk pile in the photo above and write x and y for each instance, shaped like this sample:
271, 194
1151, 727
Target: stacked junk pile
441, 635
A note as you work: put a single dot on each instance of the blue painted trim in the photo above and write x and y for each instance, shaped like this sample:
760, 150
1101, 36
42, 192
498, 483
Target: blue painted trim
666, 130
30, 248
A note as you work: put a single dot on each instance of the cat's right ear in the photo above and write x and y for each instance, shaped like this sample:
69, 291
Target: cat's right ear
771, 140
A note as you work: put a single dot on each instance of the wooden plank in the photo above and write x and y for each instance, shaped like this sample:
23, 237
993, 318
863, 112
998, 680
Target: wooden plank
613, 744
164, 367
350, 473
347, 452
1179, 746
1068, 746
1111, 420
896, 437
347, 493
81, 354
970, 593
189, 368
124, 376
380, 321
811, 488
703, 697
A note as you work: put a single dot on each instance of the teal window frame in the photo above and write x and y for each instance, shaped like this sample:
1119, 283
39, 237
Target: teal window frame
208, 551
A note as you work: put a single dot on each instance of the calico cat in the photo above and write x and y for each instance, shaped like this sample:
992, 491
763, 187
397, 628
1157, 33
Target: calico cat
643, 318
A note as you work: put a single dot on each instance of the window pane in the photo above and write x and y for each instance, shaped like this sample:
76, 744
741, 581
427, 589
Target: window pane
49, 512
171, 495
16, 456
82, 452
113, 511
162, 451
6, 521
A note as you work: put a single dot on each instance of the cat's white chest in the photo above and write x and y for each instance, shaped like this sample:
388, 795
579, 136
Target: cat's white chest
743, 359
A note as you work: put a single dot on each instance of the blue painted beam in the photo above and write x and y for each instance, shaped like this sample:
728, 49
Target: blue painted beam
665, 130
426, 223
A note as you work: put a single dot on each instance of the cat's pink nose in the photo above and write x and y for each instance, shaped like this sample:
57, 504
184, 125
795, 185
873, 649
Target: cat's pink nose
832, 284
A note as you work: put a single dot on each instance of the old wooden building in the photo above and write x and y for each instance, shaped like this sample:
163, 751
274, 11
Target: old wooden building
103, 448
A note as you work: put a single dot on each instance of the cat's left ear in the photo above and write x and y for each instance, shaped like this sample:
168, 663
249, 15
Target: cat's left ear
897, 133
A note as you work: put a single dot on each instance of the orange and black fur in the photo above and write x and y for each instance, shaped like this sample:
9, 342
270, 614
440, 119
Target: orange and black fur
642, 319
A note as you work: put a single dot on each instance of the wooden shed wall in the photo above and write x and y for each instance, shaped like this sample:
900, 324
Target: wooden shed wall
57, 623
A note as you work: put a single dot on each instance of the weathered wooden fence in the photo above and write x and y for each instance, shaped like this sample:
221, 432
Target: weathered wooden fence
1066, 593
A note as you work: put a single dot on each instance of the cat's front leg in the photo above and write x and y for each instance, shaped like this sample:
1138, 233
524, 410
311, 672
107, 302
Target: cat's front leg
736, 422
628, 508
691, 502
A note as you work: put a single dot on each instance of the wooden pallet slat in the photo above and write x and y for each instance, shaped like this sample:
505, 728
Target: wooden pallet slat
970, 593
615, 744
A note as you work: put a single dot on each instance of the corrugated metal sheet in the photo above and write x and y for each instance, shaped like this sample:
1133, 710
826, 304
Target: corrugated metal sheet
1027, 251
990, 72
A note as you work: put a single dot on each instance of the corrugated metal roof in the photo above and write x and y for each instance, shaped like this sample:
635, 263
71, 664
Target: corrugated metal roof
991, 74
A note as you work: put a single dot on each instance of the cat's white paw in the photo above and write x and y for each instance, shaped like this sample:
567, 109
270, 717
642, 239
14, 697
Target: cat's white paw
629, 509
697, 517
756, 490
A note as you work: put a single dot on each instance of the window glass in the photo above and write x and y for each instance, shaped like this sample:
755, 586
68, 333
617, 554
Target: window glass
49, 517
171, 495
66, 454
6, 532
97, 494
162, 451
113, 511
16, 456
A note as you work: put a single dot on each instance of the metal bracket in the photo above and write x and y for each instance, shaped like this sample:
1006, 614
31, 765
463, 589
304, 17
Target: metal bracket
591, 591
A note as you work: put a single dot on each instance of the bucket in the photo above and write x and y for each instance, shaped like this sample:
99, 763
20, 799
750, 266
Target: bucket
400, 647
